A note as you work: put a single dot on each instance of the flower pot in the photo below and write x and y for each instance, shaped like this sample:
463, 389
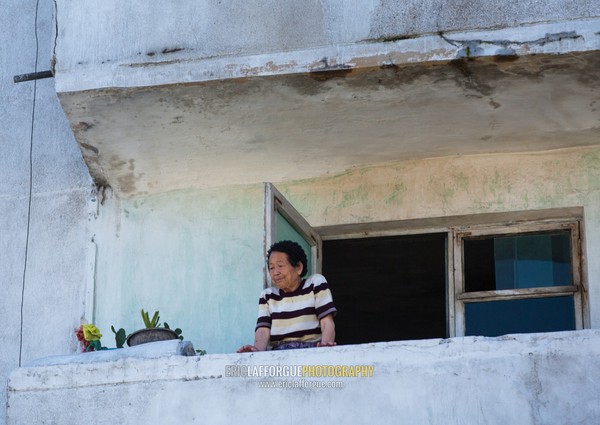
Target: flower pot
150, 335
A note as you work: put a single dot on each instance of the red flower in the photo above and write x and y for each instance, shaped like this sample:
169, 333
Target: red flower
85, 344
79, 333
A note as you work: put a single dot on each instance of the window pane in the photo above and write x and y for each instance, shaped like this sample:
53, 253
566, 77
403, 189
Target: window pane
285, 231
515, 262
496, 318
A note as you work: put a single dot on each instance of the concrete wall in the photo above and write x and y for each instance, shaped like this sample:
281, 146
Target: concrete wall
42, 275
116, 44
458, 185
521, 379
197, 256
463, 185
183, 252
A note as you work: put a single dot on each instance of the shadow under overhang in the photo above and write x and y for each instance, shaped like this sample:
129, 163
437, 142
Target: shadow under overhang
148, 140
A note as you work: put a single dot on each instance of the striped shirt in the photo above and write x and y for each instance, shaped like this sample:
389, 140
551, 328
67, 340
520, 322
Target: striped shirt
294, 316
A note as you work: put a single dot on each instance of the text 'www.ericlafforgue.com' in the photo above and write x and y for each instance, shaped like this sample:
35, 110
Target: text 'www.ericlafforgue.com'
300, 384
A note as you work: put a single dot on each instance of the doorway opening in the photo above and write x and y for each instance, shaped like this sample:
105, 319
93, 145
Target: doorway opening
388, 288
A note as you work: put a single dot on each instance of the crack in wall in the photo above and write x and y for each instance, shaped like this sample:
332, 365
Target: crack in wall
53, 59
473, 47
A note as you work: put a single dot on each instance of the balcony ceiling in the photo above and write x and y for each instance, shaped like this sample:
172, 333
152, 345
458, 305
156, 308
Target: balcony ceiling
278, 128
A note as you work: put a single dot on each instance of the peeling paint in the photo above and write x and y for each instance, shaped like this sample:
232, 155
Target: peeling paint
390, 38
270, 67
82, 126
150, 64
90, 148
473, 47
172, 50
323, 70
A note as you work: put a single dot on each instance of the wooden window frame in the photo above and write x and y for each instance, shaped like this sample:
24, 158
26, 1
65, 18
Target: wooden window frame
457, 228
276, 203
578, 290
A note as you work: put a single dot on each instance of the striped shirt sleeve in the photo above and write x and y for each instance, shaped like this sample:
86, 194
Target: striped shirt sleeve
323, 299
264, 314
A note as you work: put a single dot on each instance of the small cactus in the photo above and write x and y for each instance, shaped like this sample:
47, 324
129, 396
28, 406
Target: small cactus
120, 336
178, 331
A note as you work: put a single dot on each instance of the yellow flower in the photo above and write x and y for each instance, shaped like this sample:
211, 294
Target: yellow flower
91, 333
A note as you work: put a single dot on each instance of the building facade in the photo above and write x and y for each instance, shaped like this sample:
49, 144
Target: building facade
458, 138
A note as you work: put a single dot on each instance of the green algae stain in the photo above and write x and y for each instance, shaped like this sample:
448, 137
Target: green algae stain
307, 203
446, 193
461, 181
591, 163
591, 159
495, 188
497, 184
354, 197
397, 194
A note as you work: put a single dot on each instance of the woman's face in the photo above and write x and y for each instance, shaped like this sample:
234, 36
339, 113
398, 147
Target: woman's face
283, 274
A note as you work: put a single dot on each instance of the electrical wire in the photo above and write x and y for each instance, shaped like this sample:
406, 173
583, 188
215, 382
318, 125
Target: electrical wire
37, 4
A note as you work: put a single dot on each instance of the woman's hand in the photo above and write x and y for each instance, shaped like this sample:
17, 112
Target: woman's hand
247, 349
261, 340
326, 344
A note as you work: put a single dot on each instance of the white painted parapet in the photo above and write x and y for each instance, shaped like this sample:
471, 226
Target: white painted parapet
549, 378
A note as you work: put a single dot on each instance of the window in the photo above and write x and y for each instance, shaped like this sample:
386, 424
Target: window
488, 274
283, 222
518, 278
388, 288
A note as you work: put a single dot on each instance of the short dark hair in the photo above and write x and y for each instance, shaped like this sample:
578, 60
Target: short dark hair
294, 251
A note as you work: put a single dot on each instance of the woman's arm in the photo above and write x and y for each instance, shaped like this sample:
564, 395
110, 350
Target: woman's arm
261, 340
328, 331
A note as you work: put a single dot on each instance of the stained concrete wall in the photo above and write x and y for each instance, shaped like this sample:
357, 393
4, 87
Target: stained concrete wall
128, 33
463, 185
520, 379
45, 206
116, 44
197, 255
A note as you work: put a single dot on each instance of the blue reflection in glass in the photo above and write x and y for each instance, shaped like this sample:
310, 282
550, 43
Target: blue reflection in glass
496, 318
532, 261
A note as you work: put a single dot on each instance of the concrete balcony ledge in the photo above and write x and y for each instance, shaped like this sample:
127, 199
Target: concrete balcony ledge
128, 44
520, 379
169, 66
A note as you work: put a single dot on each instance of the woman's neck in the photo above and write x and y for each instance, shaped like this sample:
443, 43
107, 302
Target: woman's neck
294, 287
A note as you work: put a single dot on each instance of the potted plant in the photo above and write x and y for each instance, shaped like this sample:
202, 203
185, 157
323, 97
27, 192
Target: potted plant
152, 332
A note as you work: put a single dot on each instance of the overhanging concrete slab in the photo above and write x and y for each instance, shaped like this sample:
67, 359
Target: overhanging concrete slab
280, 128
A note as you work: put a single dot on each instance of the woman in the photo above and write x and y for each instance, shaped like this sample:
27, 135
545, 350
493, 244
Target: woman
295, 312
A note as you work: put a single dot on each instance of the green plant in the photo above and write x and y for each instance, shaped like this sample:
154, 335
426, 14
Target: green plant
150, 323
154, 323
176, 330
120, 336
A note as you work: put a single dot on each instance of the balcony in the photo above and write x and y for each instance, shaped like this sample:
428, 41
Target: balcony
181, 96
516, 379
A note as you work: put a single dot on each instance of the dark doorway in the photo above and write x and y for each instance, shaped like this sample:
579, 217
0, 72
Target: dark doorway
388, 288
